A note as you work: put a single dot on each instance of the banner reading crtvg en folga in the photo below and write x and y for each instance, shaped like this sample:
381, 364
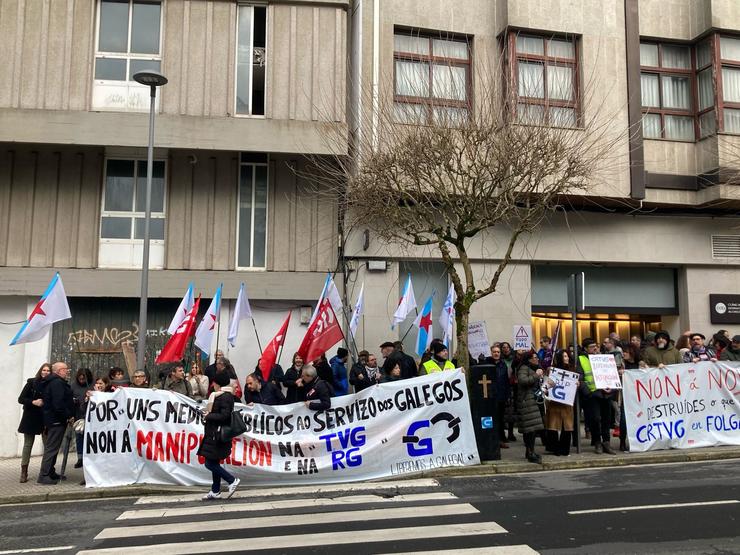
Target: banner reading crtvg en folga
683, 406
148, 436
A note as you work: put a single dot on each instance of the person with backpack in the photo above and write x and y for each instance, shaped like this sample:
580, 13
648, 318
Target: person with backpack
213, 447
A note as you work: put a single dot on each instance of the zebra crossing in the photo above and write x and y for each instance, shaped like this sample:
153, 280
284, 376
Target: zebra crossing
411, 516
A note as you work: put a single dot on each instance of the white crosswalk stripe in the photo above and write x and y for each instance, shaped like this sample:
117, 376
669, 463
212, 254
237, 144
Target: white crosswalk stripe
364, 518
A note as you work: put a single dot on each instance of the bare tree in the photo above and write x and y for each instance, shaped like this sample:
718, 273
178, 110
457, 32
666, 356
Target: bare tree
446, 175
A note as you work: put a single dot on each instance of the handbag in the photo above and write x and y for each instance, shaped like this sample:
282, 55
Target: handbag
235, 428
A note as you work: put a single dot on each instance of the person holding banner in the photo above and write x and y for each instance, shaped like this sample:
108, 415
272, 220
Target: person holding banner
529, 378
597, 403
559, 416
318, 393
439, 361
212, 448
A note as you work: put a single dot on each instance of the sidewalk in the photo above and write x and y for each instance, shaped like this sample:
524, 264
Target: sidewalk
11, 491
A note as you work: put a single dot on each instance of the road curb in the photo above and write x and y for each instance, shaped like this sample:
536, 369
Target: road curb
489, 468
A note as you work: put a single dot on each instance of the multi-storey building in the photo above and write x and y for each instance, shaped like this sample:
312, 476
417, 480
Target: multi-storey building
254, 86
656, 238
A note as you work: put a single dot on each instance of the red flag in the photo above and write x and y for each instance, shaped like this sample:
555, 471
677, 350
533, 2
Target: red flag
175, 347
269, 355
323, 333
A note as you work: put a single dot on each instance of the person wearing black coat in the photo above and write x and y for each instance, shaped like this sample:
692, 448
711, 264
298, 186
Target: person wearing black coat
59, 410
318, 393
324, 371
501, 390
212, 447
365, 372
295, 392
32, 421
262, 393
393, 353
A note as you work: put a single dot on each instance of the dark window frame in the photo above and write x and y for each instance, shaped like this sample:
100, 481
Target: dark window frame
514, 57
429, 102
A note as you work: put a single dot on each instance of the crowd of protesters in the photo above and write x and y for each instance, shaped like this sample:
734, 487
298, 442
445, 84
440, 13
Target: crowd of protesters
52, 402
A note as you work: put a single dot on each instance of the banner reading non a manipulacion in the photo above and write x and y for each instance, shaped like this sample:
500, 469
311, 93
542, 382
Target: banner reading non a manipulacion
683, 406
405, 427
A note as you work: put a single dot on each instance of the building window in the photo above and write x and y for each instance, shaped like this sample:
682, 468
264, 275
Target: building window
252, 215
251, 60
666, 80
432, 82
705, 88
545, 79
123, 213
729, 55
128, 41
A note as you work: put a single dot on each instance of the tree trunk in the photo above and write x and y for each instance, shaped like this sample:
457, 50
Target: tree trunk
461, 354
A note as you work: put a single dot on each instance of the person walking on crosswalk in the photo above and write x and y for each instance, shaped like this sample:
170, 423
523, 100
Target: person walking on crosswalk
212, 448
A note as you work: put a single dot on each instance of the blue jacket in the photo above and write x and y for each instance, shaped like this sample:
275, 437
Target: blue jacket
500, 378
339, 370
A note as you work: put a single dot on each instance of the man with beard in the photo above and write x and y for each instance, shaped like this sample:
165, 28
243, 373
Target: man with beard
663, 352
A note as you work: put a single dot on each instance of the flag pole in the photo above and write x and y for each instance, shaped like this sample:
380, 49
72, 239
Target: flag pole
257, 335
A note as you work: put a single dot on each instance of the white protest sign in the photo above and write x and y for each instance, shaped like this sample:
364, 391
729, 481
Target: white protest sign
683, 406
478, 340
522, 337
405, 427
565, 385
605, 373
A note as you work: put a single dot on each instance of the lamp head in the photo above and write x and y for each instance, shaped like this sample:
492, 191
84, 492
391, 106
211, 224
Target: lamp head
150, 78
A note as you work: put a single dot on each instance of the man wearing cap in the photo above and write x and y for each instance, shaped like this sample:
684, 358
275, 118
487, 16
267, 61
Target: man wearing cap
663, 352
393, 354
698, 351
732, 353
439, 361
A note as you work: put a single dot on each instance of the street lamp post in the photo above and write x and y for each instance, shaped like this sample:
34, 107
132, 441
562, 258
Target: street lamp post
152, 79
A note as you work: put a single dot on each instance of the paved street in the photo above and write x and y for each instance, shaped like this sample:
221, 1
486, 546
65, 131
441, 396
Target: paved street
678, 508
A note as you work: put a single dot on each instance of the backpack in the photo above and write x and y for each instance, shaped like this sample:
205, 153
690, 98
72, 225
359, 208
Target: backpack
235, 428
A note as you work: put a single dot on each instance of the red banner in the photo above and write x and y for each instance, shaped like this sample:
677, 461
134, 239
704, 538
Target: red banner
323, 333
175, 347
269, 355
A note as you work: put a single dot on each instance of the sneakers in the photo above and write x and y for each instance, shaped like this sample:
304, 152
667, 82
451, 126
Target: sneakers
608, 449
210, 496
232, 487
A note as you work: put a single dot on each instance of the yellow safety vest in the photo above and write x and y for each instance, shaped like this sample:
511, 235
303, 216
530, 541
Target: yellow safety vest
588, 376
431, 366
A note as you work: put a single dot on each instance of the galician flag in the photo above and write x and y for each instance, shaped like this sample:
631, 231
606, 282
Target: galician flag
424, 323
183, 310
447, 316
174, 350
359, 305
242, 311
330, 292
204, 333
406, 303
52, 307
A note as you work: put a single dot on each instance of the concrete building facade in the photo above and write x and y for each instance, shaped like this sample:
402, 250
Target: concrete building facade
254, 87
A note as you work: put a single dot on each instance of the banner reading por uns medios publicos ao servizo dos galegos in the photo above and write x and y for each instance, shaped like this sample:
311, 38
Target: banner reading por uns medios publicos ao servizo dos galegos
410, 426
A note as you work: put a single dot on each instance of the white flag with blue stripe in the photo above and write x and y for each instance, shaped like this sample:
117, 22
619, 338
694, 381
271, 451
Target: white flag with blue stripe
52, 307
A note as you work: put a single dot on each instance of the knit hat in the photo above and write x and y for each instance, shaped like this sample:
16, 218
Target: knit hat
664, 334
438, 347
736, 339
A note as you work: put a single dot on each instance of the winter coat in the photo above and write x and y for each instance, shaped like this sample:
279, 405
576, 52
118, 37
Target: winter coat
364, 382
530, 418
32, 421
325, 373
730, 354
339, 371
199, 387
654, 356
703, 353
182, 387
294, 394
79, 393
220, 414
269, 394
59, 405
318, 393
406, 363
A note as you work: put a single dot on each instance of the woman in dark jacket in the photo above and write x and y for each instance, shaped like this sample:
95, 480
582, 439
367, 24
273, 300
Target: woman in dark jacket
32, 421
212, 448
82, 383
295, 392
529, 377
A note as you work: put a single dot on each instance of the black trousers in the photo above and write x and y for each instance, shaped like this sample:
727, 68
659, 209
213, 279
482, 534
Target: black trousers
600, 414
54, 437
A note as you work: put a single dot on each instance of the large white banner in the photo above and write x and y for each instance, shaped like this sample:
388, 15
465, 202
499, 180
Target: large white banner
404, 427
683, 406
